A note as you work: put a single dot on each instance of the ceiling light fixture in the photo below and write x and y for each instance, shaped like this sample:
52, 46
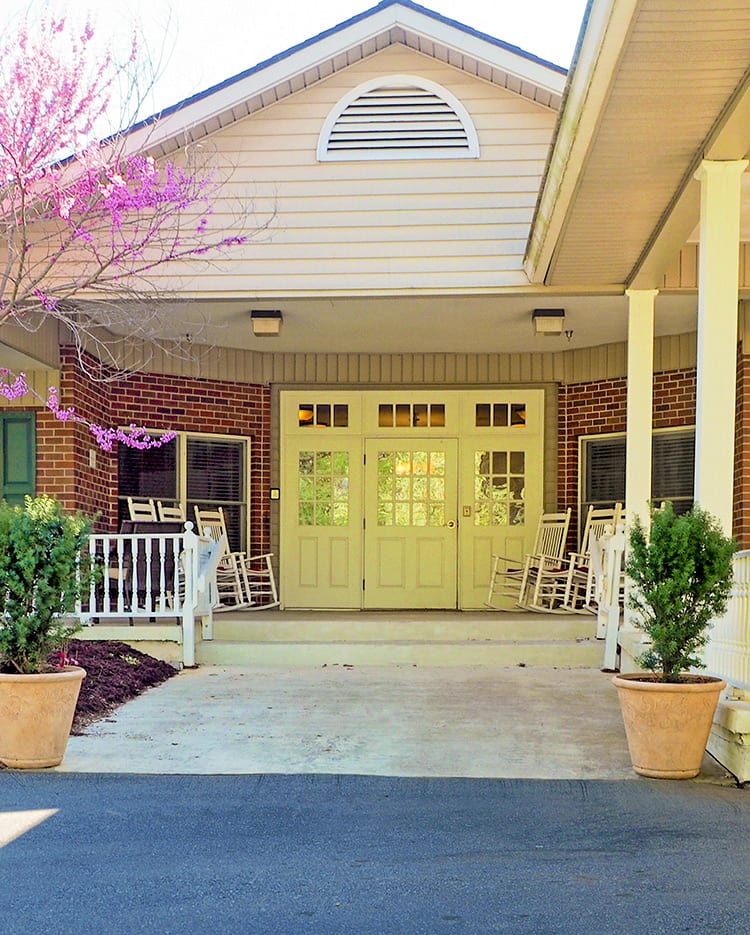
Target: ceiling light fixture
266, 322
548, 321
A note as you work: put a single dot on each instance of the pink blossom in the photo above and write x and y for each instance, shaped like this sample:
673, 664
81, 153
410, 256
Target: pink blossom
15, 386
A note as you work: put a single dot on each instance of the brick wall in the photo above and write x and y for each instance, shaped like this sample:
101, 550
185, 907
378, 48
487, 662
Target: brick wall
66, 468
600, 408
213, 406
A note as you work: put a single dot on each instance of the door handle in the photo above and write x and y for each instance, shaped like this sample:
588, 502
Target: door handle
450, 524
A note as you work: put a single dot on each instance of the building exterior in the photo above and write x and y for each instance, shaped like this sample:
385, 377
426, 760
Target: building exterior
488, 276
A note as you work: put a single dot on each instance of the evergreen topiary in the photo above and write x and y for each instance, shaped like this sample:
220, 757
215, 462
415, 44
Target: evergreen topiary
44, 569
682, 572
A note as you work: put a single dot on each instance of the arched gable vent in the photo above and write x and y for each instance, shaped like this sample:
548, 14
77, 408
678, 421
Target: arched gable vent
398, 117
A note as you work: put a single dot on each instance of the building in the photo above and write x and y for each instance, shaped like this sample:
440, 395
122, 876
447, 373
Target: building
475, 279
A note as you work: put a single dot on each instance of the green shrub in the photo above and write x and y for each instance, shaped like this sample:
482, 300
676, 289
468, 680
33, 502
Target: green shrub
682, 573
44, 568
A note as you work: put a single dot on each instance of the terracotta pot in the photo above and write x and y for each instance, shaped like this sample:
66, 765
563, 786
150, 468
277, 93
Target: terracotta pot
36, 713
667, 724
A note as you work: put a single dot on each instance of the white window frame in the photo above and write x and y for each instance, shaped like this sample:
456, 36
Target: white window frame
181, 466
584, 440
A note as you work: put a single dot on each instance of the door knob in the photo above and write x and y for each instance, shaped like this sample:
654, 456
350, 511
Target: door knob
451, 524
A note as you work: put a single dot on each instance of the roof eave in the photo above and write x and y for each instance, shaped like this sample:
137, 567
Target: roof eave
607, 24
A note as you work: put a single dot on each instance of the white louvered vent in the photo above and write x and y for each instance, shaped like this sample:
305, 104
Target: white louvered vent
400, 117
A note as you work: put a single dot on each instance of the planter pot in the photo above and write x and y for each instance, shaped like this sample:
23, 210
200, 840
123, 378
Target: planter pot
667, 724
36, 713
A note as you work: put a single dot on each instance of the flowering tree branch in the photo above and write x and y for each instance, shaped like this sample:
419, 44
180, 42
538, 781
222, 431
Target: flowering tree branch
84, 224
13, 386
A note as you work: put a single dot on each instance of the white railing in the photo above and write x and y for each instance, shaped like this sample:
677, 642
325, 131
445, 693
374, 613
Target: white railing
151, 576
728, 650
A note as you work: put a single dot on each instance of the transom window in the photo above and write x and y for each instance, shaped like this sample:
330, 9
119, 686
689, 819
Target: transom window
411, 415
499, 488
323, 488
323, 415
500, 415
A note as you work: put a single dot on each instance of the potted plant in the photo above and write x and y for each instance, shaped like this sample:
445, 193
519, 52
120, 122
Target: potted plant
681, 577
44, 568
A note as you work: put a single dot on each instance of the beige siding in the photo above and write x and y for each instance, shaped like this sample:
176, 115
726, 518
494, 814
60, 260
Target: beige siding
460, 223
39, 382
604, 362
40, 344
683, 273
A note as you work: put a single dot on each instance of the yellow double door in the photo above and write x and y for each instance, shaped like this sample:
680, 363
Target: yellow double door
402, 523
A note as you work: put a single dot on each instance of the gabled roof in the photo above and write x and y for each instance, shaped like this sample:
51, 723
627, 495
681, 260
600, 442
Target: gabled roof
390, 22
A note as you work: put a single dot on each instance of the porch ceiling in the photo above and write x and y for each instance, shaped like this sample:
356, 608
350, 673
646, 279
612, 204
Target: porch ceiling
437, 324
658, 85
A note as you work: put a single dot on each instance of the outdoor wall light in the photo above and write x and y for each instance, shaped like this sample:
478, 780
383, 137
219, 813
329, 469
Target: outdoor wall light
266, 322
548, 321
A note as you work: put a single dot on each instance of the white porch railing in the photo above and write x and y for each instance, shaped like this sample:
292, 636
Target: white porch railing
150, 576
728, 650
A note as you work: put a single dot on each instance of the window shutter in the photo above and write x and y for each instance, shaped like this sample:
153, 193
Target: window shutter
17, 456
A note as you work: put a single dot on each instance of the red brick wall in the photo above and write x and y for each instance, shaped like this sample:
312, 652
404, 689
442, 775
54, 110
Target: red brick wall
215, 406
600, 408
187, 404
156, 402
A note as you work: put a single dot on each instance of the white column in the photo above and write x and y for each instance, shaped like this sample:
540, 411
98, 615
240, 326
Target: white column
718, 279
640, 407
640, 403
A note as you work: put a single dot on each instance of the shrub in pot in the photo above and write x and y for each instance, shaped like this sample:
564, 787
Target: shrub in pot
44, 568
681, 573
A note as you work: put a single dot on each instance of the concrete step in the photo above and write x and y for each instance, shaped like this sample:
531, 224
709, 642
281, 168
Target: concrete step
337, 626
586, 653
429, 638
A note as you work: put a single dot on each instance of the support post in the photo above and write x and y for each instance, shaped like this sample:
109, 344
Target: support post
718, 287
639, 425
640, 403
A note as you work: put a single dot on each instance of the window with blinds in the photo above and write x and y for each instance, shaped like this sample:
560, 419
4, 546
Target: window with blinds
215, 477
192, 471
672, 468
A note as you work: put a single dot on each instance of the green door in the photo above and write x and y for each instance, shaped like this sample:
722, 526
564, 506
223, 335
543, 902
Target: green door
17, 456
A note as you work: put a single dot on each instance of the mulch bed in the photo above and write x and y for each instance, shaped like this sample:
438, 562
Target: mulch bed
115, 673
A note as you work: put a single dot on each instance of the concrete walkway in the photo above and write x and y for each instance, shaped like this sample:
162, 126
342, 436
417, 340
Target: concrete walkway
495, 722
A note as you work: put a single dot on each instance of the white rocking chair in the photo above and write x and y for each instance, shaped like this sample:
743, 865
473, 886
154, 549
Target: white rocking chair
509, 579
243, 582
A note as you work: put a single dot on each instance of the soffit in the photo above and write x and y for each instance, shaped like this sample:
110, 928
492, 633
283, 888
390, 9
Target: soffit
678, 80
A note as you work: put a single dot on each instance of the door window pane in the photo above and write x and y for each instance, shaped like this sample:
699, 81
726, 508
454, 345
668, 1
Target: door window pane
411, 488
323, 488
499, 488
